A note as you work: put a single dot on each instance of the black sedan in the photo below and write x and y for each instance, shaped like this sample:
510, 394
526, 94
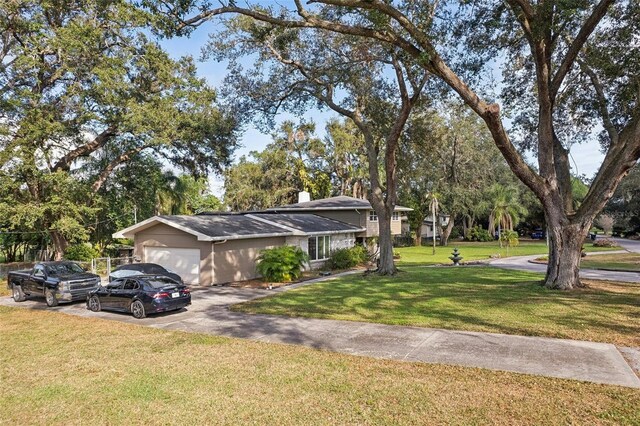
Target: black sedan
133, 269
140, 295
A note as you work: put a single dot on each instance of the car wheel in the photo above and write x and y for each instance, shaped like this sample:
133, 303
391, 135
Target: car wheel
137, 309
94, 304
50, 298
18, 294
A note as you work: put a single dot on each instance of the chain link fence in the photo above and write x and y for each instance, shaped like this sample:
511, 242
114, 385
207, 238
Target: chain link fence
103, 266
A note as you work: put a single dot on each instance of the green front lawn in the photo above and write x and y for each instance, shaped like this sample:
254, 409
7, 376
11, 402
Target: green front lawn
61, 369
617, 262
423, 255
469, 298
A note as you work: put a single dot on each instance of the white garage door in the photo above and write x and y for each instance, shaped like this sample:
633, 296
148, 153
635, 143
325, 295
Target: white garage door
184, 262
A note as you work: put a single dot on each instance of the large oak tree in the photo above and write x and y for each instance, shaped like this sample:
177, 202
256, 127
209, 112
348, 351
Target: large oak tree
577, 61
374, 87
83, 91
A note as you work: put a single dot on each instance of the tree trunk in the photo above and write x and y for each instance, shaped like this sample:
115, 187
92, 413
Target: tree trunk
418, 239
60, 244
385, 243
565, 248
445, 233
468, 225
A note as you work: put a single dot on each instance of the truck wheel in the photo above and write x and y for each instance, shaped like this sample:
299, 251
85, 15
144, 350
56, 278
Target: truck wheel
18, 294
50, 298
94, 304
137, 309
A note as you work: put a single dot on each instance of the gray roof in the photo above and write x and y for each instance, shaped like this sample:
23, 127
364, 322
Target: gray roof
228, 225
341, 202
308, 223
233, 226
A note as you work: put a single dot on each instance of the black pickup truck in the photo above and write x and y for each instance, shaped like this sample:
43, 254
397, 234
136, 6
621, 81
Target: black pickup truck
56, 281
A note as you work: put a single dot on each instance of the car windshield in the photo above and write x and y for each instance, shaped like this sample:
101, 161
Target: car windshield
160, 282
64, 268
156, 269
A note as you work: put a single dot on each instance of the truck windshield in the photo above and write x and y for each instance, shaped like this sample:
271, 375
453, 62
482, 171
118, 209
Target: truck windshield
64, 269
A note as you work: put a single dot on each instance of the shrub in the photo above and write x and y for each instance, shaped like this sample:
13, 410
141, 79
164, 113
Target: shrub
479, 234
345, 258
510, 238
456, 231
360, 254
81, 252
605, 242
341, 259
281, 264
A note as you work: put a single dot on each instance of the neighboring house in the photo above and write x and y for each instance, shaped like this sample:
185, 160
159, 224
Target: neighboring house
355, 211
427, 227
217, 248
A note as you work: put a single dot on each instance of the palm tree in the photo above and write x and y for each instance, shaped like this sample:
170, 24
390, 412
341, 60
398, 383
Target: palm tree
171, 195
506, 209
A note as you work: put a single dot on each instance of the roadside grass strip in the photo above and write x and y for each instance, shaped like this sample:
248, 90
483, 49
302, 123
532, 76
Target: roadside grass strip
61, 369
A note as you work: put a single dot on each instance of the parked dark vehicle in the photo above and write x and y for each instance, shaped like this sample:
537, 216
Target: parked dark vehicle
134, 269
140, 295
537, 234
56, 281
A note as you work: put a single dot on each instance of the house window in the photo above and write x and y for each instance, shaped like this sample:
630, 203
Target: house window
373, 217
319, 247
395, 216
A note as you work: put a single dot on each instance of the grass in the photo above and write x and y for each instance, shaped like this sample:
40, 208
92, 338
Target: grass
85, 371
423, 255
617, 262
469, 298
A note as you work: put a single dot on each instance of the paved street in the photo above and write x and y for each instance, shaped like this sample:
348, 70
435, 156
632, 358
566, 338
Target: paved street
629, 245
523, 263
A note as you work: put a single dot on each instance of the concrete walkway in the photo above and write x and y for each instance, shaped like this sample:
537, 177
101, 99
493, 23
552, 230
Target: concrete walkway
567, 359
523, 263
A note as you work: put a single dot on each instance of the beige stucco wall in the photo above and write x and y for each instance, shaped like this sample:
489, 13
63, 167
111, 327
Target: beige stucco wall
373, 230
235, 260
162, 235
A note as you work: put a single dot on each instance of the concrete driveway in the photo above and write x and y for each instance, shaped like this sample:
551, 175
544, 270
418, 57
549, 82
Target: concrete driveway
629, 245
523, 263
209, 313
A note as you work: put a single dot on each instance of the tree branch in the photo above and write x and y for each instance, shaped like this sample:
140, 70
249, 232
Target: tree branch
427, 57
102, 178
574, 49
65, 162
602, 102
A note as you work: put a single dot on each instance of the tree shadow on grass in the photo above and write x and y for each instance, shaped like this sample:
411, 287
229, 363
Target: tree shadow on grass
488, 300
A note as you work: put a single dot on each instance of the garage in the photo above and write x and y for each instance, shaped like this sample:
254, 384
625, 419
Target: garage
183, 261
218, 248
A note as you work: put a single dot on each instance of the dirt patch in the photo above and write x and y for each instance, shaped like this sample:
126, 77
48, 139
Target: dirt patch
632, 356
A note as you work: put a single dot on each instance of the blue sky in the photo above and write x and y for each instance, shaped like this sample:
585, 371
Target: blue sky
586, 157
